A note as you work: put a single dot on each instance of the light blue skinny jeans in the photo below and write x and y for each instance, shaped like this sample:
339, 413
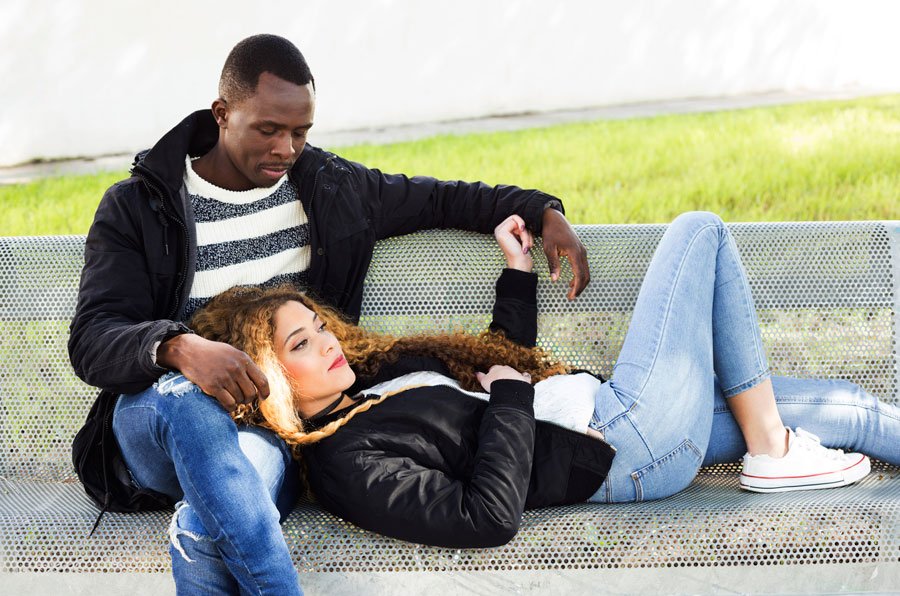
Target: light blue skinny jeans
234, 483
694, 342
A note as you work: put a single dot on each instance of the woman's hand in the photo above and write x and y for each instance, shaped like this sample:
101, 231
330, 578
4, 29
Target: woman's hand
501, 371
515, 241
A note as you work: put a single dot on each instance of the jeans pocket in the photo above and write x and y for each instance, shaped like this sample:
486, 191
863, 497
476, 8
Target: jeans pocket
669, 474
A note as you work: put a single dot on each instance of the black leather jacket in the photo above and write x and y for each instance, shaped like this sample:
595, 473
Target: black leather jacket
141, 249
436, 466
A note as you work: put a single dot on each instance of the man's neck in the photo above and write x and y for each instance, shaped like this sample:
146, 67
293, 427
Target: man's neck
216, 168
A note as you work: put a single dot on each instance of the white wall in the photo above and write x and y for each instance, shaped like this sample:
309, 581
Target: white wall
90, 77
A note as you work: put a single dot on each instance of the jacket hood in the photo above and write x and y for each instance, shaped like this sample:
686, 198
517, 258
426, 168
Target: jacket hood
194, 136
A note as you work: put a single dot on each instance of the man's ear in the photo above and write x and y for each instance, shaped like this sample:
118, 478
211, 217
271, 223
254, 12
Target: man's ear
220, 112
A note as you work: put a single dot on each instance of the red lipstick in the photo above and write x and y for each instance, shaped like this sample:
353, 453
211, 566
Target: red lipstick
338, 362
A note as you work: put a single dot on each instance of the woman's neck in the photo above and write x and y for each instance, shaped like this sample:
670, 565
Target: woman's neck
337, 403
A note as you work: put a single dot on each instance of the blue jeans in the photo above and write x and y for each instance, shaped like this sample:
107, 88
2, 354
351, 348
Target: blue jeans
693, 342
235, 485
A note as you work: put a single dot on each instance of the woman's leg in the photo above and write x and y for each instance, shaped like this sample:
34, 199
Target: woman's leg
181, 442
694, 315
840, 413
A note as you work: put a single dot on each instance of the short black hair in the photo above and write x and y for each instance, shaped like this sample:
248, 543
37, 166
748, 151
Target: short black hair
258, 54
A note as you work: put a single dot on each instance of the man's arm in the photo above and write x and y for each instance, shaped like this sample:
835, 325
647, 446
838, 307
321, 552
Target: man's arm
118, 340
114, 329
402, 205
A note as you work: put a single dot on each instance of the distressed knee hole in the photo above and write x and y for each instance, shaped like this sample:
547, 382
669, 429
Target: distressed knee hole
174, 384
178, 529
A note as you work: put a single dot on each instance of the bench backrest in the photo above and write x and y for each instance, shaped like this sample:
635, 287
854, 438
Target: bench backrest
827, 294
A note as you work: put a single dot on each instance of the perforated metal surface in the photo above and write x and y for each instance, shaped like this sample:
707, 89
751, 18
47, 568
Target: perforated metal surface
711, 524
826, 298
825, 294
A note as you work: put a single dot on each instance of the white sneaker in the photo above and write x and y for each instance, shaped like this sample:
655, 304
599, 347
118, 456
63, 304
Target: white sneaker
807, 465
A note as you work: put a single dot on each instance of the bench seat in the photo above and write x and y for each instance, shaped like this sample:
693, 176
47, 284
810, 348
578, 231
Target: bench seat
827, 295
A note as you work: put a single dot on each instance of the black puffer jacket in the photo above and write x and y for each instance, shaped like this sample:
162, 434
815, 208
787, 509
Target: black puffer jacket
436, 466
141, 249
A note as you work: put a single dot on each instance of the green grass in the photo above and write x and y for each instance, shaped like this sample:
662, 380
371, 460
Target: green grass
837, 160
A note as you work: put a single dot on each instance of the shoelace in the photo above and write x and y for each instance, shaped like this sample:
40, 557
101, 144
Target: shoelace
810, 442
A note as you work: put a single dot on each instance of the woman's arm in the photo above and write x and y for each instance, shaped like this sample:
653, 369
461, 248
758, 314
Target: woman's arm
515, 307
377, 482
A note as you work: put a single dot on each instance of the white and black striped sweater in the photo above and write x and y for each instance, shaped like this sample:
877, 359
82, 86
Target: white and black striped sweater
253, 237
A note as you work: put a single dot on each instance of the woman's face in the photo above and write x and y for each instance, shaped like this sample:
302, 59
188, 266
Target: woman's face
312, 358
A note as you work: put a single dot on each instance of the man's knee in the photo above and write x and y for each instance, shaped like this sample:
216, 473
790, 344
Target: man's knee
177, 402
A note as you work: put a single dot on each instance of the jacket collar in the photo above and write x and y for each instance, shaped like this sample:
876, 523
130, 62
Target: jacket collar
164, 162
196, 135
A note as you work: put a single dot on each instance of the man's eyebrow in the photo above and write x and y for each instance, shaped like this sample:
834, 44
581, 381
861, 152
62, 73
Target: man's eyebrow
274, 124
299, 330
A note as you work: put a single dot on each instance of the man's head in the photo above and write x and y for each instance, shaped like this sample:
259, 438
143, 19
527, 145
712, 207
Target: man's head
265, 108
258, 54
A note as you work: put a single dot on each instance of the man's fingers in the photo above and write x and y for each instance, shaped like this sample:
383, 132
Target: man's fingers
580, 274
224, 397
246, 389
552, 260
259, 380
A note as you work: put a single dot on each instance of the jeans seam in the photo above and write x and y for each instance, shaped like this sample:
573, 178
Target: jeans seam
851, 404
745, 385
668, 308
656, 462
222, 530
761, 359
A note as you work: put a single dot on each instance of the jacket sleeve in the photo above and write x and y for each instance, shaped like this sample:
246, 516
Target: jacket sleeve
114, 330
399, 204
393, 494
515, 307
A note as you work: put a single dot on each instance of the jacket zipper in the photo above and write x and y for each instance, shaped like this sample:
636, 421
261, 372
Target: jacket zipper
164, 216
316, 191
107, 496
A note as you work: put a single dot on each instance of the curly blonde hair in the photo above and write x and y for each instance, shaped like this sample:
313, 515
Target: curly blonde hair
244, 317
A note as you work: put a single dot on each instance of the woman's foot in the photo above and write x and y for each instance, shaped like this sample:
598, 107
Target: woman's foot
807, 465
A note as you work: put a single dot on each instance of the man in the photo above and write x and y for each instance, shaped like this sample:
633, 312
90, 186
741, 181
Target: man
228, 197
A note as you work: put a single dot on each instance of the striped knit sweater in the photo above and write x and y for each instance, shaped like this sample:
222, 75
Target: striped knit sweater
253, 237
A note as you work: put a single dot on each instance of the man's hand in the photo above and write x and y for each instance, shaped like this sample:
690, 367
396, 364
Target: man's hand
560, 241
219, 369
500, 371
515, 241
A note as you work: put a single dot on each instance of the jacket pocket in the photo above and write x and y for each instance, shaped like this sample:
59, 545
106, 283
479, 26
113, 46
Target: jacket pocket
350, 227
669, 474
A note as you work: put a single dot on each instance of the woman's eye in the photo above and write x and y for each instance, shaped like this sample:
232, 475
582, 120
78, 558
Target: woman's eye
300, 345
321, 327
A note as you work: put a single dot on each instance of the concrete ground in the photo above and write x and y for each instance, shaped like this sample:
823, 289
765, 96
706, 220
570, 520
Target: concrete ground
32, 171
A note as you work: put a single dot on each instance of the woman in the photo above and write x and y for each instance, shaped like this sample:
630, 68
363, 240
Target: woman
399, 436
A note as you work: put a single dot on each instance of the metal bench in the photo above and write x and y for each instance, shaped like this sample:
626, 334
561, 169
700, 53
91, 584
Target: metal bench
828, 296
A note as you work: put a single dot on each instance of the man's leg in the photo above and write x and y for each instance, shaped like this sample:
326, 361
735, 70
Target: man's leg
179, 441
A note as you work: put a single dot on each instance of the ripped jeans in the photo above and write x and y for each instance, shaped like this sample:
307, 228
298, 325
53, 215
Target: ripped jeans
235, 484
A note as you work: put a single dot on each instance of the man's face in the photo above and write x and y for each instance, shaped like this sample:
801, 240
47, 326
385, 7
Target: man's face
264, 134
